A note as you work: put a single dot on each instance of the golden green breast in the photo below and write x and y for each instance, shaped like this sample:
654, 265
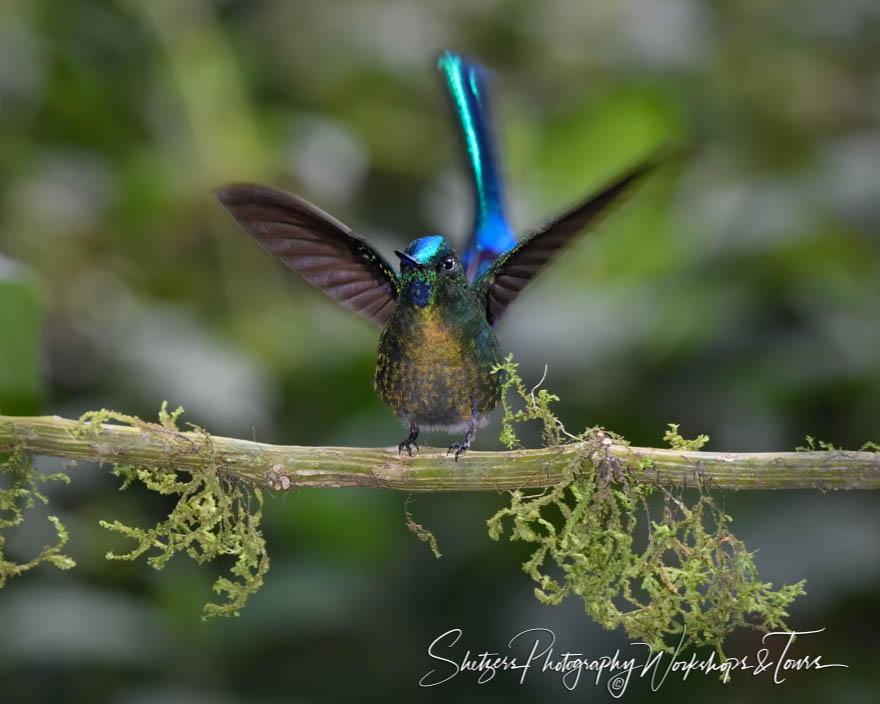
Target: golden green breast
433, 371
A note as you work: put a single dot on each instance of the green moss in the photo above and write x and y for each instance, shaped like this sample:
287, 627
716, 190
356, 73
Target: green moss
422, 533
677, 442
23, 482
216, 516
689, 572
814, 445
594, 535
537, 406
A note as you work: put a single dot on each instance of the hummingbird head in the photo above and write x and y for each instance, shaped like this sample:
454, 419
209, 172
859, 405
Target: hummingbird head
431, 272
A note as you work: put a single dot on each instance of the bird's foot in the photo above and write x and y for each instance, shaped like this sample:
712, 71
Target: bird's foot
408, 445
410, 441
459, 447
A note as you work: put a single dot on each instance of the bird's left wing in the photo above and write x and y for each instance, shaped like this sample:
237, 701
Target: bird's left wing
508, 275
317, 246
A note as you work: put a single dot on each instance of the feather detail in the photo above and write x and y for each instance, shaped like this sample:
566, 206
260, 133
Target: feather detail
315, 245
468, 89
505, 278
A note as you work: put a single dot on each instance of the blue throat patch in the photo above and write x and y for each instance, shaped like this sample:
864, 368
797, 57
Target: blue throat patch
420, 293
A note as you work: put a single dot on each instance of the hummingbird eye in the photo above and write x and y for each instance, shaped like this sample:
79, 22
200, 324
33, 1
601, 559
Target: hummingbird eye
448, 264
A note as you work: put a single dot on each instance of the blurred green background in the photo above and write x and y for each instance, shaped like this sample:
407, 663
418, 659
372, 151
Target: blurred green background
736, 294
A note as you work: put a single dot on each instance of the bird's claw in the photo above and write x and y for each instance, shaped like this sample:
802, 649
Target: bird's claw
459, 448
409, 445
410, 441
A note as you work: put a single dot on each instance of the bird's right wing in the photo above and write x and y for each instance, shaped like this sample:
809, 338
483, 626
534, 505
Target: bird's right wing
318, 247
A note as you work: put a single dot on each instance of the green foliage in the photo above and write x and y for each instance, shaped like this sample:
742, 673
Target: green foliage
593, 533
690, 572
814, 445
677, 442
422, 533
215, 515
23, 480
537, 406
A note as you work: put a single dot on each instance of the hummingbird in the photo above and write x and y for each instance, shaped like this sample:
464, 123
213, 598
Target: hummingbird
438, 314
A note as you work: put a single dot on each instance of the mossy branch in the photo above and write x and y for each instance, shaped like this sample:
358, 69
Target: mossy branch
290, 466
593, 500
216, 514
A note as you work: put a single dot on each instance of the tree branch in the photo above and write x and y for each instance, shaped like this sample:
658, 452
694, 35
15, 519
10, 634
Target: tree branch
429, 470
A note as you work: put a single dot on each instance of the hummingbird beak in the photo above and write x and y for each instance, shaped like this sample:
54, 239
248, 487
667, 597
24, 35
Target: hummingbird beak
413, 262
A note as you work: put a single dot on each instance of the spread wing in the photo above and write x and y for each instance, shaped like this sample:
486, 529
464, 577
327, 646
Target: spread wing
516, 269
318, 247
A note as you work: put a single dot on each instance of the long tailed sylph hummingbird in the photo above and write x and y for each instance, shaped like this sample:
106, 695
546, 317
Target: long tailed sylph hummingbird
438, 346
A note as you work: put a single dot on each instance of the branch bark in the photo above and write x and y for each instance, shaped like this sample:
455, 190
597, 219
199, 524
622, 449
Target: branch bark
429, 470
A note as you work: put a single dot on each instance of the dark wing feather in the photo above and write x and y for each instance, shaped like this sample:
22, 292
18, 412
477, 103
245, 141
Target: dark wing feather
514, 270
321, 249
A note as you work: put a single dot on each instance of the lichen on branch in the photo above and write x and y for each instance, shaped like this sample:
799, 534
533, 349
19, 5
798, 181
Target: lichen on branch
24, 480
216, 515
688, 572
613, 524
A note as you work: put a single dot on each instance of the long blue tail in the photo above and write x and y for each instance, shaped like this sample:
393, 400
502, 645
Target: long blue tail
468, 88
